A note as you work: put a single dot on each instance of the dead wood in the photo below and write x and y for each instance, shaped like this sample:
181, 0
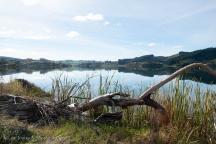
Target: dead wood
31, 111
201, 66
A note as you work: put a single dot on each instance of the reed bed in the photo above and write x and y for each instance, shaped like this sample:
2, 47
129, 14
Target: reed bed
192, 112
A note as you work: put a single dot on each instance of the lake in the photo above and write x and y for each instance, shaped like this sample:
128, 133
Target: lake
128, 80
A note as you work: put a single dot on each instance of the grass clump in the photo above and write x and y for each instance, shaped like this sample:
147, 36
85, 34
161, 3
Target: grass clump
22, 87
82, 133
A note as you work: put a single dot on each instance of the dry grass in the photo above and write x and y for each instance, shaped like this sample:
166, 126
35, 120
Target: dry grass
17, 87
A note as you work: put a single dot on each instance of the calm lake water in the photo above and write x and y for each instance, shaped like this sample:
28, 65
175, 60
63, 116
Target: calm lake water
130, 80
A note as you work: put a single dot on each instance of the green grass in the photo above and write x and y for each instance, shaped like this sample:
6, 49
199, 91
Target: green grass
80, 133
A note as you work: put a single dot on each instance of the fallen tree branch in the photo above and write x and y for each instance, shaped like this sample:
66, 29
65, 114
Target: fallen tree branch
144, 99
106, 99
175, 74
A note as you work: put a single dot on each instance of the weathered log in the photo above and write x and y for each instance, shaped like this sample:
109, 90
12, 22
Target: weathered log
106, 99
30, 110
19, 107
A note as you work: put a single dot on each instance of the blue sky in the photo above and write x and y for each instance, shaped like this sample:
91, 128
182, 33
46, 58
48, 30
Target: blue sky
104, 29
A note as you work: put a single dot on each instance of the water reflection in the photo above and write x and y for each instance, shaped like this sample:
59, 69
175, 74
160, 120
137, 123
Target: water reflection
195, 75
131, 80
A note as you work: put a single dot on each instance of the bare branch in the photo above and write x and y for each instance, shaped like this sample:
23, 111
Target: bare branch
100, 100
175, 74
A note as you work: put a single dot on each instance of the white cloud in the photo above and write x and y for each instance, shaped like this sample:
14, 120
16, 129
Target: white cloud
49, 4
40, 37
7, 50
25, 34
30, 2
7, 33
47, 30
89, 17
15, 52
22, 34
106, 23
72, 34
151, 44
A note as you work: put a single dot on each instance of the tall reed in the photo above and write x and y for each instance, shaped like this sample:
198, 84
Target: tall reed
192, 112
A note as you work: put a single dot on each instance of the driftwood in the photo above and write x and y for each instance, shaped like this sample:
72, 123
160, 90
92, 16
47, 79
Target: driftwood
33, 111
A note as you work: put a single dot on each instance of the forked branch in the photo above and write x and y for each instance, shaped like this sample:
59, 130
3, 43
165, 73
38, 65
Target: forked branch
203, 67
145, 98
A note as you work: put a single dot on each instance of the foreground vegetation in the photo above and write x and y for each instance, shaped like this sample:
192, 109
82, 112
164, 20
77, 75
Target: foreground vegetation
192, 114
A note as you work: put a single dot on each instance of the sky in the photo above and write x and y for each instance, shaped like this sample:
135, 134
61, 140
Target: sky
104, 29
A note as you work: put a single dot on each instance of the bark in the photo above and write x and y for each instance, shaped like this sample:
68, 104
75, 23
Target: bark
32, 111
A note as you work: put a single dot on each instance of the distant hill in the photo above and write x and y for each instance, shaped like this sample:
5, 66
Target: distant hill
151, 65
181, 59
91, 64
27, 64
